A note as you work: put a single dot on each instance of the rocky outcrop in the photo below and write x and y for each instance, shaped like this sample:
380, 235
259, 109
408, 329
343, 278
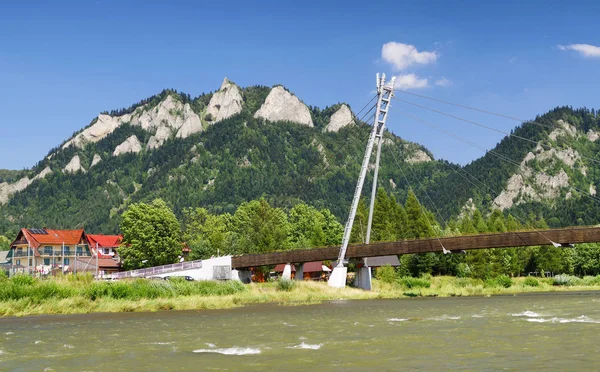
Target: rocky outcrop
104, 125
131, 145
525, 185
162, 134
418, 156
168, 117
467, 209
592, 135
340, 119
564, 129
225, 102
191, 123
74, 165
97, 159
8, 189
281, 105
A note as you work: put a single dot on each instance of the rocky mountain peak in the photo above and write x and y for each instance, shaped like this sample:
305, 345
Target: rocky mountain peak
340, 119
225, 102
281, 105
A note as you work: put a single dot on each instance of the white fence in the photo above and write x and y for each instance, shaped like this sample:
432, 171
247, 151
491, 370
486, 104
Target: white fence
156, 270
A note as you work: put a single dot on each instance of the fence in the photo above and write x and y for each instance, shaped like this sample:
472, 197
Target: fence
156, 270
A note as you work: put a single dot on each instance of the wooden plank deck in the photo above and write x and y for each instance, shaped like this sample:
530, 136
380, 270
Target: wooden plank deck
498, 240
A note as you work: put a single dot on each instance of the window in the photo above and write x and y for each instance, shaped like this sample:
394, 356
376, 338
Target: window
106, 251
48, 250
79, 250
18, 262
67, 251
31, 262
46, 261
67, 261
19, 252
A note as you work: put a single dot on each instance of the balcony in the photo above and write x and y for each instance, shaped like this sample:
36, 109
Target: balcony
23, 253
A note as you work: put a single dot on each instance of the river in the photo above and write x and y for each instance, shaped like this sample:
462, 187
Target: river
541, 331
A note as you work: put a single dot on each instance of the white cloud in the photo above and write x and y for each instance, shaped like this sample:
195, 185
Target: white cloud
402, 56
443, 82
410, 81
586, 50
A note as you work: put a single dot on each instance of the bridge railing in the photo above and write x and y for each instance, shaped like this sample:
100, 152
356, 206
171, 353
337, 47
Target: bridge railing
156, 270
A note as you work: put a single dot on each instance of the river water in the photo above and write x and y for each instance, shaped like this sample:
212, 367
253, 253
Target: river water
543, 331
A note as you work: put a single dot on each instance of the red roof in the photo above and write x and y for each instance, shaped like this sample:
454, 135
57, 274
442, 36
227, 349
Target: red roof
104, 241
279, 268
51, 237
107, 262
313, 267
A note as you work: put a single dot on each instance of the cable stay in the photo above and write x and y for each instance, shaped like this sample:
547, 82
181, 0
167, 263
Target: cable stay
509, 134
488, 187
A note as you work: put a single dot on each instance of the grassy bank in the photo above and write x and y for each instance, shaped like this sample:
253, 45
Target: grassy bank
22, 296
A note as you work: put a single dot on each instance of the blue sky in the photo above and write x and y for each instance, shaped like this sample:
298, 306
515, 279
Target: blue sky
61, 63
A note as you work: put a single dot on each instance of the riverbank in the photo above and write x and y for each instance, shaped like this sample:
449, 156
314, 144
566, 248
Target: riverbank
80, 295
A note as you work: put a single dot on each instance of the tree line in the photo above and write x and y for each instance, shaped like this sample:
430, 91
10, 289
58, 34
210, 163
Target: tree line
153, 236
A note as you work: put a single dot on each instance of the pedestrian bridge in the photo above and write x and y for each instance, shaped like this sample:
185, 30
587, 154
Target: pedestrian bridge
556, 237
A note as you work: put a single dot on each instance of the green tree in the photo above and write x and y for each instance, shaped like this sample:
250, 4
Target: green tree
4, 243
306, 226
261, 228
150, 235
418, 224
332, 229
206, 234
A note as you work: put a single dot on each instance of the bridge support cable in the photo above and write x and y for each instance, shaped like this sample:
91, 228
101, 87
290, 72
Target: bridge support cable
385, 92
478, 109
509, 134
523, 221
437, 211
492, 152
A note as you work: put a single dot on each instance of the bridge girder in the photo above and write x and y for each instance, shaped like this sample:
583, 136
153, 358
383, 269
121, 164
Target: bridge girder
565, 236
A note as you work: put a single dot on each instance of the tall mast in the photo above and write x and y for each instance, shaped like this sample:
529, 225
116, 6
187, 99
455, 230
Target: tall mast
385, 92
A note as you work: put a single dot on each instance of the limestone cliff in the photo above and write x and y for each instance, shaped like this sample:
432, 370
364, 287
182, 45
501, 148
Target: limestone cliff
225, 102
8, 189
340, 119
130, 145
281, 105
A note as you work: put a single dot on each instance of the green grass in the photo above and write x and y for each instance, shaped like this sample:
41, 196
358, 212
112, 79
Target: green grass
20, 296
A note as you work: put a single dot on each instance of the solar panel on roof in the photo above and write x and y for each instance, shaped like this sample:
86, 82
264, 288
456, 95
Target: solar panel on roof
38, 231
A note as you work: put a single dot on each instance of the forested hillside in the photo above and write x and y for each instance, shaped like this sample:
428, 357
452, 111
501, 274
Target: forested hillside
234, 145
238, 159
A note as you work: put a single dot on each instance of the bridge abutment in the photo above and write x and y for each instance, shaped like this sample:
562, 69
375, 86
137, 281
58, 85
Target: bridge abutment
299, 272
363, 278
287, 272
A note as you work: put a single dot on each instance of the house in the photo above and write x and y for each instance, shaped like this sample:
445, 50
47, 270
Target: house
315, 271
105, 245
278, 271
42, 251
96, 266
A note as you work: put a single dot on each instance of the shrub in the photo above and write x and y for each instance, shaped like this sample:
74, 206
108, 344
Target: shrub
410, 282
463, 270
22, 280
504, 281
530, 281
561, 280
286, 285
386, 274
591, 280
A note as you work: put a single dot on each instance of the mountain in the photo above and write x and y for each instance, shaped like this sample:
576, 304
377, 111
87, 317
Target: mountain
216, 150
237, 144
548, 168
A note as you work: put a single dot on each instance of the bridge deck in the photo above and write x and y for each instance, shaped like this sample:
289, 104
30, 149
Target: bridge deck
497, 240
